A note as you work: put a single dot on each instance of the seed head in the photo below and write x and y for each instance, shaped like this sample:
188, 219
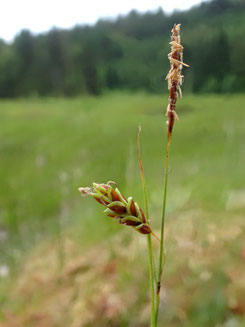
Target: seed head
174, 77
126, 211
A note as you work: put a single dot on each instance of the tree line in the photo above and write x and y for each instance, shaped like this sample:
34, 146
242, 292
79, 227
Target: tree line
129, 53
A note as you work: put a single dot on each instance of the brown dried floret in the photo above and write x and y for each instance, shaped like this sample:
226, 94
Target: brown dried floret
174, 77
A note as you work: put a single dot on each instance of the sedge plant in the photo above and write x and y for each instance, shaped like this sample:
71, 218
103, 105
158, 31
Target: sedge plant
125, 210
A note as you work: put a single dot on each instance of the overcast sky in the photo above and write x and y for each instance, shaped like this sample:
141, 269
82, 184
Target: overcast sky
41, 15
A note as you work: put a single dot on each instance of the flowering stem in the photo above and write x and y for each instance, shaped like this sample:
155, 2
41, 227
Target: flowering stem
162, 250
175, 80
149, 243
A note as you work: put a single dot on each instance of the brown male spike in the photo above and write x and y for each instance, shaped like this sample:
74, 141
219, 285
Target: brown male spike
174, 77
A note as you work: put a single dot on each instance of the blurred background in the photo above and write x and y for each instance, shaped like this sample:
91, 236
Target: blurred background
71, 99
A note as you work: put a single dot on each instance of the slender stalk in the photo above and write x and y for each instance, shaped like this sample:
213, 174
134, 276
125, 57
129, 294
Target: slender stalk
162, 250
175, 80
149, 243
151, 280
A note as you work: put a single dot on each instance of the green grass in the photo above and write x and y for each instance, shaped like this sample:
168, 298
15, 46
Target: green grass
50, 147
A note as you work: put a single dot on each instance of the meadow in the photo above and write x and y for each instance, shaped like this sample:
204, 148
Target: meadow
64, 263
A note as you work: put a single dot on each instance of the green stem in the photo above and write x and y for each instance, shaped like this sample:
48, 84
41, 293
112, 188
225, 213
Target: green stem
162, 254
149, 243
150, 256
151, 280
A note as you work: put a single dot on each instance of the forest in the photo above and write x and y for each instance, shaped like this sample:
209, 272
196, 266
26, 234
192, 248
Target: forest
129, 53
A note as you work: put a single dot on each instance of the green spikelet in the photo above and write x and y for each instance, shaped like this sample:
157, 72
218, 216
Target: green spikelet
126, 211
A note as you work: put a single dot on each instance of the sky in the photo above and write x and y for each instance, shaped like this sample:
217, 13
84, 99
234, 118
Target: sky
41, 15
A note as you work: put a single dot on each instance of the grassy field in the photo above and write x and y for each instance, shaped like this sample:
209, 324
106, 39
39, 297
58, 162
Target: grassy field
64, 263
